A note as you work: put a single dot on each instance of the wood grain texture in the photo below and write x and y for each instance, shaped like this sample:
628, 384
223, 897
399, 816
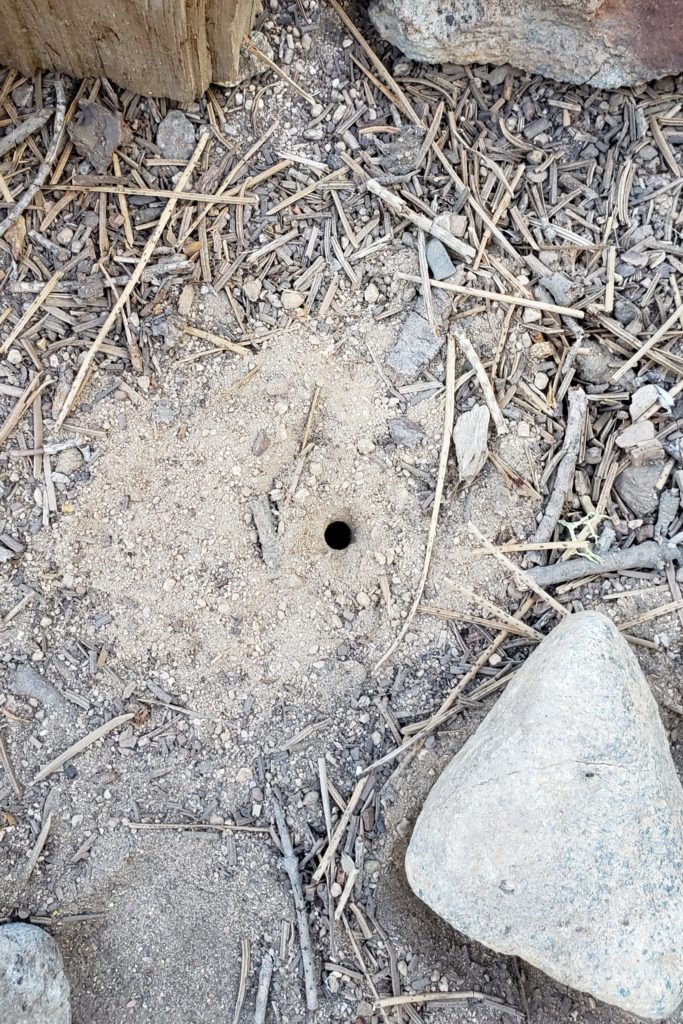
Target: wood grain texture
171, 48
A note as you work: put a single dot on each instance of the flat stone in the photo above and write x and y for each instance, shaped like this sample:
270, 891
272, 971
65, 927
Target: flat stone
595, 362
417, 344
176, 137
33, 986
636, 486
470, 438
252, 288
96, 133
405, 432
29, 683
438, 259
292, 299
456, 223
564, 291
636, 434
556, 832
622, 42
642, 400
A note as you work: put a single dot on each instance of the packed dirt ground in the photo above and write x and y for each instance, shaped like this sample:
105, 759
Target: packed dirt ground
163, 553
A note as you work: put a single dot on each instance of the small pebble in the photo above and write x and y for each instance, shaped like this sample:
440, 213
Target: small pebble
439, 261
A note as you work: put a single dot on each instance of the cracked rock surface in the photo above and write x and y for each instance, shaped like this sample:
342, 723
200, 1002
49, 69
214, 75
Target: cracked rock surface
607, 43
556, 833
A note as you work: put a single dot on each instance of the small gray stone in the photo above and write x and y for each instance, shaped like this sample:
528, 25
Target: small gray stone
564, 291
636, 487
29, 683
176, 136
252, 288
96, 133
625, 311
439, 261
556, 833
417, 344
292, 299
405, 432
33, 986
69, 461
594, 362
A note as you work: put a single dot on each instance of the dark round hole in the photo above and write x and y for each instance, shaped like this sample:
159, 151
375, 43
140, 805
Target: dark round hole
338, 535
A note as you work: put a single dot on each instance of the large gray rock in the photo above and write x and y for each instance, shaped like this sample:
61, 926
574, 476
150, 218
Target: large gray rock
556, 833
33, 986
608, 43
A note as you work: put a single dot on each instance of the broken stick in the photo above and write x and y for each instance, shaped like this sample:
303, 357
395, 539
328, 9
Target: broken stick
649, 555
43, 171
578, 404
291, 866
484, 383
120, 303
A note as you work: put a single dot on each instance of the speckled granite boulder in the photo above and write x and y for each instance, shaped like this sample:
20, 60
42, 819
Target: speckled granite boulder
556, 833
33, 986
607, 43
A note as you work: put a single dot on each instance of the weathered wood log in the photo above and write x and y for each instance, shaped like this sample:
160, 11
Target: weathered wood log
172, 48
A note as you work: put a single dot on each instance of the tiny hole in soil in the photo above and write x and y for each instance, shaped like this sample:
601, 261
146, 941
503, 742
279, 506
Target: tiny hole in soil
338, 535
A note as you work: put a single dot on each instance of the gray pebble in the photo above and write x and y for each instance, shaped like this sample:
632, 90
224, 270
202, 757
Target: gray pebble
439, 261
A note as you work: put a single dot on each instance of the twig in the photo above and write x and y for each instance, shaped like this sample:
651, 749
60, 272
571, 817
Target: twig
81, 745
649, 555
653, 613
578, 404
265, 974
138, 826
23, 130
426, 288
447, 997
338, 834
481, 293
649, 344
132, 281
524, 578
46, 166
26, 400
244, 977
310, 418
420, 220
278, 71
6, 762
449, 415
25, 320
485, 384
38, 848
291, 866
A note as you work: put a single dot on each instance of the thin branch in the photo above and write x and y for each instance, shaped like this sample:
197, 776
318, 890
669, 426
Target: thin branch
29, 195
578, 404
291, 866
449, 415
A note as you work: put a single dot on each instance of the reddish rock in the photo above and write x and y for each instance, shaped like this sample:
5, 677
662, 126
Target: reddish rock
608, 43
